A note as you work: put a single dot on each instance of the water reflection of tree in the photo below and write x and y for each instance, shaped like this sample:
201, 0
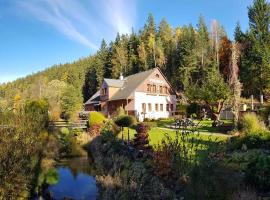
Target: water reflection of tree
79, 165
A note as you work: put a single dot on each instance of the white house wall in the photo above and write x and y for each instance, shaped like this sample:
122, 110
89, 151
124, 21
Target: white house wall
142, 97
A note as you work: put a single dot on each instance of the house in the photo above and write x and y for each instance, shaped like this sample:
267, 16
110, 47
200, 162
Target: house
146, 94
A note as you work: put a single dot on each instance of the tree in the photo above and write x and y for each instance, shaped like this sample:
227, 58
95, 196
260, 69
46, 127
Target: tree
119, 59
152, 47
167, 42
217, 33
142, 56
225, 56
239, 36
70, 102
36, 115
160, 56
202, 42
133, 54
259, 22
214, 92
125, 121
186, 57
234, 82
53, 93
149, 28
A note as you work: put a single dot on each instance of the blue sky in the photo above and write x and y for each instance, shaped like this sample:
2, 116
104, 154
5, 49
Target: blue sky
35, 34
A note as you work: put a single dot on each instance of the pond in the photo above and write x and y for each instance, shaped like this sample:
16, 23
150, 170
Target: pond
75, 180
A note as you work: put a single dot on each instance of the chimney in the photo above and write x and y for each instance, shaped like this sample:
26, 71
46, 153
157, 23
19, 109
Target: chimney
121, 77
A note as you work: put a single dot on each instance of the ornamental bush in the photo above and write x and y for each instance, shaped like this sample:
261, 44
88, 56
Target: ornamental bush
125, 121
141, 141
96, 118
252, 125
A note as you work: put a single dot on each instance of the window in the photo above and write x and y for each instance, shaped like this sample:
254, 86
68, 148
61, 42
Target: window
157, 75
149, 107
154, 89
148, 88
156, 107
104, 91
171, 107
160, 89
167, 107
161, 107
165, 89
144, 107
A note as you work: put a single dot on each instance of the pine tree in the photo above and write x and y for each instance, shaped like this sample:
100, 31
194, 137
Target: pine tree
142, 56
259, 22
239, 36
119, 59
202, 42
166, 36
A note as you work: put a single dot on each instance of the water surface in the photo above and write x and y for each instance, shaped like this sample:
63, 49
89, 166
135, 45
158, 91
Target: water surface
75, 180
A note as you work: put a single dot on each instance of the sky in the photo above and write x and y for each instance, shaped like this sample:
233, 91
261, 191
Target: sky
36, 34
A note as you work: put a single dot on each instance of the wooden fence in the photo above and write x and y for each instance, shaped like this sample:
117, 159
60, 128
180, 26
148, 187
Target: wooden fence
82, 124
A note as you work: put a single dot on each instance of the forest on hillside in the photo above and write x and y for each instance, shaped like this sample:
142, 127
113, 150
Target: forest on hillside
187, 55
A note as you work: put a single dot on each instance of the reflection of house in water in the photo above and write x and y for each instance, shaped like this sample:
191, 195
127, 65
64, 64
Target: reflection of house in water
146, 94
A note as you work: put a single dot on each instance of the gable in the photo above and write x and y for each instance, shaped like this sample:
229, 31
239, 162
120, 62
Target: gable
131, 83
156, 78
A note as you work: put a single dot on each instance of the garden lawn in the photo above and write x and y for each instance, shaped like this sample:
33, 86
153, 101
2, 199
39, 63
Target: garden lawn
156, 135
204, 126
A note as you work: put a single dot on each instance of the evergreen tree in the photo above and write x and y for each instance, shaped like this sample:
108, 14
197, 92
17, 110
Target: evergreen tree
259, 22
202, 43
142, 56
186, 57
239, 36
166, 36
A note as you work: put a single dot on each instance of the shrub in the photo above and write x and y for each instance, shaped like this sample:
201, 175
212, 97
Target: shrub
254, 133
150, 125
95, 129
257, 172
120, 111
264, 112
251, 125
125, 121
96, 118
110, 126
146, 120
162, 161
64, 131
193, 108
175, 157
141, 137
107, 136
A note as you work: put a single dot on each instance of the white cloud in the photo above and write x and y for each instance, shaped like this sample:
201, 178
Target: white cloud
79, 22
52, 13
120, 14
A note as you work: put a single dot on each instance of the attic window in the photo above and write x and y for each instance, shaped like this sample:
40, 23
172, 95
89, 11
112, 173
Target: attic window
157, 75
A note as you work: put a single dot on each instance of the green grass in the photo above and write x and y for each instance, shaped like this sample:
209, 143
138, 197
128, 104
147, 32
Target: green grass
157, 134
204, 125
